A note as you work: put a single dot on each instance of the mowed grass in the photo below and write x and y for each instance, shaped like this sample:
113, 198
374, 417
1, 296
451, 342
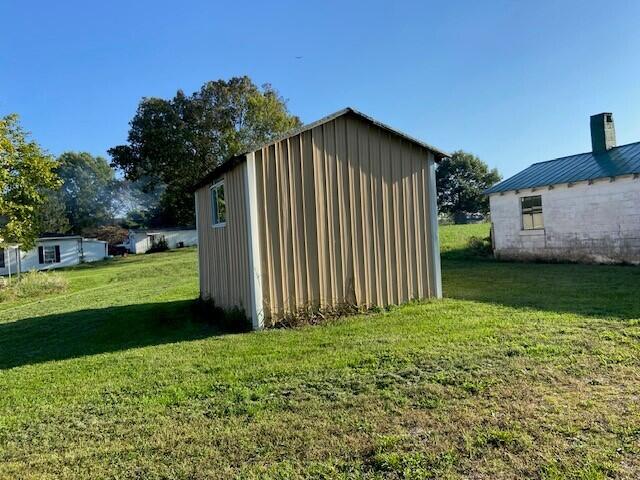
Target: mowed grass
522, 371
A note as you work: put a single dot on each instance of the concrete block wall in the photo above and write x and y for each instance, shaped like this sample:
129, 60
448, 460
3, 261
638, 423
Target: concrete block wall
598, 222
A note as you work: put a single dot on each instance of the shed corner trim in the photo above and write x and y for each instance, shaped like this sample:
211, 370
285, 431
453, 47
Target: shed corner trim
433, 230
255, 265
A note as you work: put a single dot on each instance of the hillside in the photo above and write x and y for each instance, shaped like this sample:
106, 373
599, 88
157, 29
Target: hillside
522, 371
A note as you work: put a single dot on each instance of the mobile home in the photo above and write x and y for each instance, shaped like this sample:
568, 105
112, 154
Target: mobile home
51, 252
141, 241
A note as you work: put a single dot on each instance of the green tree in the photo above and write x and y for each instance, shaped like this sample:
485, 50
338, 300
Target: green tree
52, 215
137, 205
112, 234
26, 171
175, 142
89, 190
461, 180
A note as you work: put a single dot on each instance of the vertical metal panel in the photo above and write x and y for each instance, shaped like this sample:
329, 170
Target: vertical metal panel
345, 217
309, 215
224, 251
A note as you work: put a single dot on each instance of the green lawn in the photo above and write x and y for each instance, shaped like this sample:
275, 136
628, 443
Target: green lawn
523, 371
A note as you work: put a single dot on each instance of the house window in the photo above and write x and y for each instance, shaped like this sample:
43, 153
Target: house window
2, 265
49, 254
218, 205
532, 212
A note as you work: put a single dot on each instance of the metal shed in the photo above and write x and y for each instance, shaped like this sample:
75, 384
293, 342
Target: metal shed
340, 211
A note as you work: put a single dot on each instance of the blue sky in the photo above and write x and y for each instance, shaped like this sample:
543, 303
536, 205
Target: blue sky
511, 81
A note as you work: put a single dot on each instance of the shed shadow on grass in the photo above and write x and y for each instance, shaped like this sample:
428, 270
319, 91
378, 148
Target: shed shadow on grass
599, 291
92, 331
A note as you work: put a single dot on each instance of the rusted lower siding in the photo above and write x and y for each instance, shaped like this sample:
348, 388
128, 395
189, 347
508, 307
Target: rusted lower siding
344, 218
223, 251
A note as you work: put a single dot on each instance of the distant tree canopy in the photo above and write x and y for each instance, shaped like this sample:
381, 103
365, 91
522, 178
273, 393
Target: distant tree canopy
461, 180
92, 197
26, 172
52, 215
138, 204
89, 191
112, 234
175, 142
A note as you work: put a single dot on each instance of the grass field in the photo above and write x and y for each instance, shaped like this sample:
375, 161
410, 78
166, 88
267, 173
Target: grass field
522, 371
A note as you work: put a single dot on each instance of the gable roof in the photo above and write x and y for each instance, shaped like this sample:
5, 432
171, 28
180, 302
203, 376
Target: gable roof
233, 161
622, 160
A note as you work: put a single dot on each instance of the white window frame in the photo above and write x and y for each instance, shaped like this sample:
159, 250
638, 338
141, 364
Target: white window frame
48, 254
213, 195
531, 211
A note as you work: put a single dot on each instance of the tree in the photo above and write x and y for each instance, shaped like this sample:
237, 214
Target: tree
89, 190
461, 180
138, 219
137, 203
52, 215
26, 171
175, 142
112, 234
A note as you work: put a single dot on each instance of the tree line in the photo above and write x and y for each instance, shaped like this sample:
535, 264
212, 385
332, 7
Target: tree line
171, 144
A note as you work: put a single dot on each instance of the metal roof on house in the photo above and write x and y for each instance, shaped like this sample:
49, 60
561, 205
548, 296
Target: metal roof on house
233, 161
622, 160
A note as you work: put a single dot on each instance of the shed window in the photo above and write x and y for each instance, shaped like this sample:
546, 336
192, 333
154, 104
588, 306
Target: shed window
532, 212
218, 205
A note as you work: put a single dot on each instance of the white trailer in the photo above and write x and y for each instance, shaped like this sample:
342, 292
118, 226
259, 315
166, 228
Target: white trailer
51, 253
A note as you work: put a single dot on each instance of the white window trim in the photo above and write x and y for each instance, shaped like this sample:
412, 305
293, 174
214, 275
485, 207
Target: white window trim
211, 189
44, 254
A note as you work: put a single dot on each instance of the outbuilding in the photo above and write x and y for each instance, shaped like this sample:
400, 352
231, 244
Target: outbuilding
583, 208
339, 212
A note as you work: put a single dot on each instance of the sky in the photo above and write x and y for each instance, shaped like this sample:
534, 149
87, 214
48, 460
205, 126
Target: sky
513, 82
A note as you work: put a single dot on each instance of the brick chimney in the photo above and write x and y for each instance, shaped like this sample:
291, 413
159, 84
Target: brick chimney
603, 132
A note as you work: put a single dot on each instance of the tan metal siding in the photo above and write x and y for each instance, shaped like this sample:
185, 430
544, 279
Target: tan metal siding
344, 218
223, 251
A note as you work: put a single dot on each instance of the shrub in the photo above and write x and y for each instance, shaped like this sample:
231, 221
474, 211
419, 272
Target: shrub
33, 284
159, 246
480, 247
4, 289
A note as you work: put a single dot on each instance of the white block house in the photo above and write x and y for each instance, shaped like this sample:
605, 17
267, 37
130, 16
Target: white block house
52, 252
140, 241
583, 208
